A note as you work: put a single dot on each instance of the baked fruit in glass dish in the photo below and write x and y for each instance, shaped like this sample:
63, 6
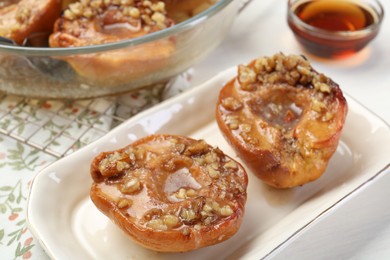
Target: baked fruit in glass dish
170, 193
19, 19
100, 47
283, 118
181, 10
86, 23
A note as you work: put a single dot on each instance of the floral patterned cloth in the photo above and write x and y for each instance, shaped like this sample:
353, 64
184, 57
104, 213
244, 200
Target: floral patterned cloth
36, 133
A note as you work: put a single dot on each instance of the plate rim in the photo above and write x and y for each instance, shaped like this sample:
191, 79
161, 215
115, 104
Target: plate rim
327, 211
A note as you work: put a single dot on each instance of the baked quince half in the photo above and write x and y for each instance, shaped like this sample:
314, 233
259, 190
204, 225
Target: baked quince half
21, 18
171, 193
87, 23
283, 118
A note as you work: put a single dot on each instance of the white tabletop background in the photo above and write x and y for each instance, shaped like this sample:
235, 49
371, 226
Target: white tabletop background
360, 228
357, 229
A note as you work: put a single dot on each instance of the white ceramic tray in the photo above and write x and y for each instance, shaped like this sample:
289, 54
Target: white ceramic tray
68, 226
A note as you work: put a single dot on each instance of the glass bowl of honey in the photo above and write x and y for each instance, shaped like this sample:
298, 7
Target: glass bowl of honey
334, 28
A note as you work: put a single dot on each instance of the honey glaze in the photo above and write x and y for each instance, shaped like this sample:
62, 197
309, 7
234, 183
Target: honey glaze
336, 15
122, 29
173, 187
334, 28
280, 108
181, 179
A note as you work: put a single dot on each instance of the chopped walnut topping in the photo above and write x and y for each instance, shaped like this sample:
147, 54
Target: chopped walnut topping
131, 186
158, 7
290, 63
23, 14
223, 195
274, 77
188, 214
233, 125
127, 2
233, 122
120, 165
147, 19
304, 70
185, 231
328, 116
226, 211
191, 193
158, 17
210, 219
157, 224
134, 12
215, 206
140, 154
214, 173
124, 203
249, 138
207, 207
146, 3
263, 64
232, 104
321, 86
171, 221
151, 13
230, 165
181, 194
246, 75
317, 105
180, 148
245, 128
199, 160
112, 160
199, 147
292, 69
211, 157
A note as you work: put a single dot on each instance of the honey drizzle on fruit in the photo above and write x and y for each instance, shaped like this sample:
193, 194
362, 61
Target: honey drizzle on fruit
172, 196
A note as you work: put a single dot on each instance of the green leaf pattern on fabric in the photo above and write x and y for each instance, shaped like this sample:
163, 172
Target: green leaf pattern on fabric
18, 164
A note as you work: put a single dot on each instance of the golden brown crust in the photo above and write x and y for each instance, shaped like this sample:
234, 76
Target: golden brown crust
181, 10
170, 193
91, 24
20, 19
283, 118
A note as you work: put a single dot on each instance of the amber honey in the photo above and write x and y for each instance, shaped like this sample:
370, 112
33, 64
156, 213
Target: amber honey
333, 28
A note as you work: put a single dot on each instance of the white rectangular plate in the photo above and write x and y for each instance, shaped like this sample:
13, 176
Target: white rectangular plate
67, 224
